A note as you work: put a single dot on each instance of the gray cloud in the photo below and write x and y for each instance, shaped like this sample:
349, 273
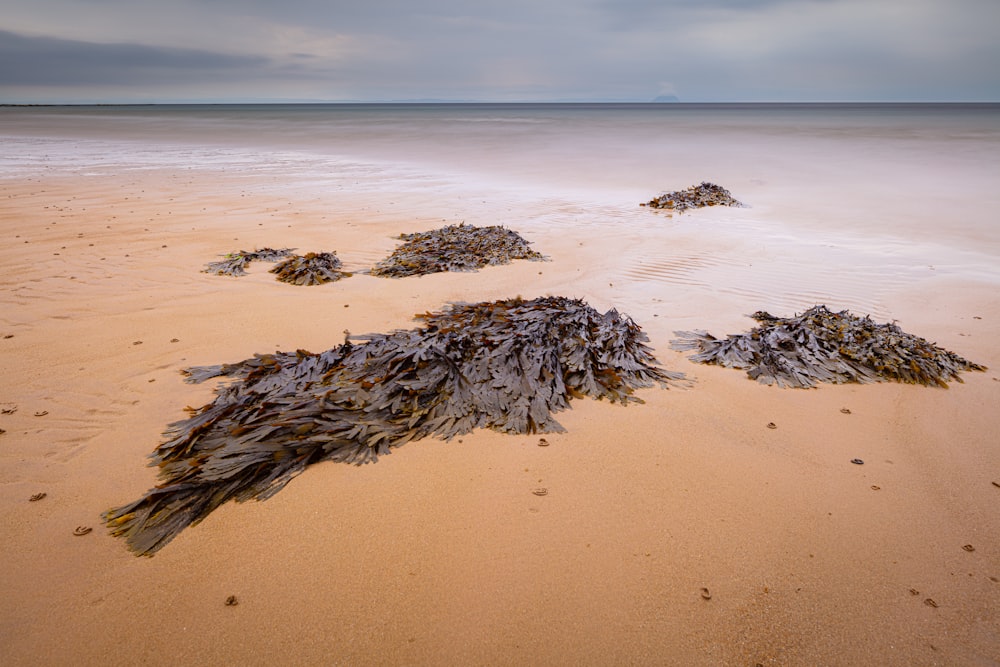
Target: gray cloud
45, 61
702, 50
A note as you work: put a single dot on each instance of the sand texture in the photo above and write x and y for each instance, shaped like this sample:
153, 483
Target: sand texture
678, 531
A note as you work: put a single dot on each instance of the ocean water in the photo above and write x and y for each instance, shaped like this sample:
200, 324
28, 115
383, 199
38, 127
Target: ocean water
844, 203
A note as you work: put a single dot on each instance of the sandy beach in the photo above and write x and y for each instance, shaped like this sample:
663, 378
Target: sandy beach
681, 531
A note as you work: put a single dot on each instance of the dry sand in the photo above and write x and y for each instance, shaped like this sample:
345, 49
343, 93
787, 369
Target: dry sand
440, 553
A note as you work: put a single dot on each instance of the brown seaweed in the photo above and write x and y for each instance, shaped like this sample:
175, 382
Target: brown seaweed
697, 196
504, 365
314, 268
825, 346
454, 248
235, 263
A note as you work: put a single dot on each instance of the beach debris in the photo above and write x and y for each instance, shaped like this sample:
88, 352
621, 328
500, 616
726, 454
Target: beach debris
504, 365
772, 425
231, 601
876, 487
314, 268
846, 411
459, 247
80, 531
969, 547
35, 497
930, 603
825, 346
857, 462
696, 196
235, 263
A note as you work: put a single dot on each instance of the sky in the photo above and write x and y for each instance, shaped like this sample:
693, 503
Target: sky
134, 51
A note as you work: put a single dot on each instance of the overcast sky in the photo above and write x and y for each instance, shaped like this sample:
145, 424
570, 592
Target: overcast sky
499, 50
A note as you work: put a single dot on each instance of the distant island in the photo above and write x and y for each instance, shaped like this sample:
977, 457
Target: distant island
666, 98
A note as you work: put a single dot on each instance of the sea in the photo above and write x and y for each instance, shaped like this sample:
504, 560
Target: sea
843, 203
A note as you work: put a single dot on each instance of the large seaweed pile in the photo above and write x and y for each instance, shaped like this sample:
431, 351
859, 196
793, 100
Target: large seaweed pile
454, 248
505, 365
314, 268
697, 196
825, 346
235, 263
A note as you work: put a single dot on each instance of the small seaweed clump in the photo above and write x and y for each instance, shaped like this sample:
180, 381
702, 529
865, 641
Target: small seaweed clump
314, 268
235, 263
504, 365
824, 346
454, 248
697, 196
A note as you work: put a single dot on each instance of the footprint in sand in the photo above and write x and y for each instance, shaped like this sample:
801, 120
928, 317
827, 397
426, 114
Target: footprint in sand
82, 530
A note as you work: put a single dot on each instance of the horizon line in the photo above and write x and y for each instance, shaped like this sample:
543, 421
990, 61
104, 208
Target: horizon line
496, 102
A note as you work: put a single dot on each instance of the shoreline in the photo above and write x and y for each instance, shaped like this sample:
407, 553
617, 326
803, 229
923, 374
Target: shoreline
440, 552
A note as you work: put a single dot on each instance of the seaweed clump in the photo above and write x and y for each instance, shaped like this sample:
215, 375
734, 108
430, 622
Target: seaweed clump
314, 268
504, 365
454, 248
825, 346
235, 263
697, 196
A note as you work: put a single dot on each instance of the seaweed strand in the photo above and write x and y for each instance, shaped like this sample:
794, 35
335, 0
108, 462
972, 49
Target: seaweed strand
825, 346
454, 248
235, 263
696, 196
504, 365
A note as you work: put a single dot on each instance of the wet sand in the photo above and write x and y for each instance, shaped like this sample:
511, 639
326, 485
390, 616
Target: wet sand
440, 553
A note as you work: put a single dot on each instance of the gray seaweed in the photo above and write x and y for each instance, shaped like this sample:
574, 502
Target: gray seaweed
235, 263
697, 196
314, 268
504, 365
454, 248
824, 346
